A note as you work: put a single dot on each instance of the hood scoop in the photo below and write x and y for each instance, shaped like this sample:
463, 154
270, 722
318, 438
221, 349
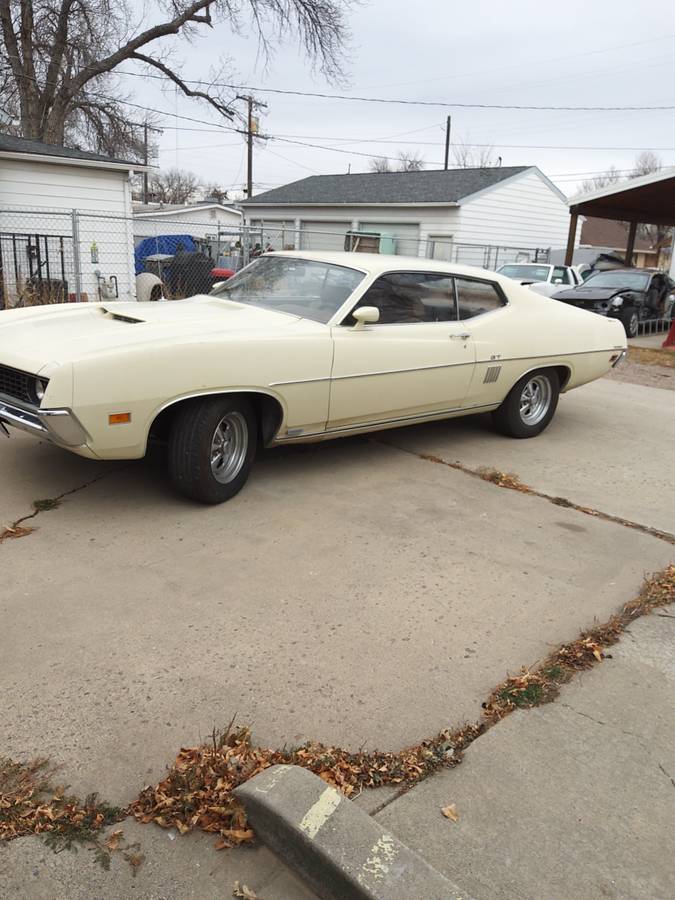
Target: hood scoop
110, 314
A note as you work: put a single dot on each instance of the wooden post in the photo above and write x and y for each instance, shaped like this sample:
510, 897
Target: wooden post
631, 243
571, 237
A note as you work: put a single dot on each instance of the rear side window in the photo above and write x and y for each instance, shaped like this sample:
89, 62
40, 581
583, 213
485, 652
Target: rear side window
405, 297
476, 297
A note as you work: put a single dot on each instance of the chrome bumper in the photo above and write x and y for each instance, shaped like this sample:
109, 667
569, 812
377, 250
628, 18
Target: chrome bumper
57, 425
620, 358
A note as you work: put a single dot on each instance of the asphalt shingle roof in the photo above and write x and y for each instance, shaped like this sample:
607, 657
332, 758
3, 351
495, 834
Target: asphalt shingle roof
11, 144
427, 186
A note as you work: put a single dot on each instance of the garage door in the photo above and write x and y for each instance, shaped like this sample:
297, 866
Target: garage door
407, 236
323, 235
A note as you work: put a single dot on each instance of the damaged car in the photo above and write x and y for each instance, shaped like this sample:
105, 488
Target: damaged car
630, 295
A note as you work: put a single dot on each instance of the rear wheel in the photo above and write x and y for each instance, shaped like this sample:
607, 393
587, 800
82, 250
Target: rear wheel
211, 448
631, 322
529, 405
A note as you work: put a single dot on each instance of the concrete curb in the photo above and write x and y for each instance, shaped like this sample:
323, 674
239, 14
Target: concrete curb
339, 849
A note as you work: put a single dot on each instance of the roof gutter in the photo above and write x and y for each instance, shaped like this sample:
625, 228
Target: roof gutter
76, 161
414, 204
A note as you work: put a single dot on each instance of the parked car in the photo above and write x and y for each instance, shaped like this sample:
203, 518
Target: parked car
630, 295
540, 277
296, 347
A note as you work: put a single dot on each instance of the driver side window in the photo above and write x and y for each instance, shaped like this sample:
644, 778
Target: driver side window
404, 297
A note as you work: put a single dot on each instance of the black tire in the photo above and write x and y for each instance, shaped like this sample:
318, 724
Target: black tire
512, 420
192, 441
631, 322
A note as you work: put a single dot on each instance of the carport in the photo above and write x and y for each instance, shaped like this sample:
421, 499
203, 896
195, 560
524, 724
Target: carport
647, 200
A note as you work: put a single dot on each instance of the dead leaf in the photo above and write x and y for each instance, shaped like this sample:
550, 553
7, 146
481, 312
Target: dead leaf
450, 812
244, 892
113, 842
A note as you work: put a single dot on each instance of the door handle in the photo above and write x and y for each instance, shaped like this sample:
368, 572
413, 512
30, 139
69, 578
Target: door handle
460, 337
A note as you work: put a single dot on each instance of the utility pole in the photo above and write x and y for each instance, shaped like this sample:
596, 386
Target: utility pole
251, 130
145, 161
447, 142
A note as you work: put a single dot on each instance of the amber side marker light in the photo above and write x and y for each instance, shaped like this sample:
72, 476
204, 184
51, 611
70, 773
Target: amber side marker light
119, 418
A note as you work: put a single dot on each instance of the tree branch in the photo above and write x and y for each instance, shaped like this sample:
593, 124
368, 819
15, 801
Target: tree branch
215, 103
190, 14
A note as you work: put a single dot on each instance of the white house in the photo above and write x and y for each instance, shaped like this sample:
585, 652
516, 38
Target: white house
205, 220
483, 216
65, 215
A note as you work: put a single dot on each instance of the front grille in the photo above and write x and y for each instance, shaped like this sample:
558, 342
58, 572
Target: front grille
18, 384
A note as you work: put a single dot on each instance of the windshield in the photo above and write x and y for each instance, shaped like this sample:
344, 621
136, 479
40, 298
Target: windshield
536, 273
636, 281
301, 287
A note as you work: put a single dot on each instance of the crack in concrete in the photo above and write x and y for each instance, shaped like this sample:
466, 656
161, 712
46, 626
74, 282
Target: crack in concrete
585, 715
672, 780
514, 484
50, 504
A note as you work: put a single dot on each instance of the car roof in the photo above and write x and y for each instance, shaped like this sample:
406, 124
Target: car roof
377, 263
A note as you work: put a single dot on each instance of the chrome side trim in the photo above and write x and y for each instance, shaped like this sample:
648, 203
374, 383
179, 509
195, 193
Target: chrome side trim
440, 366
379, 423
374, 374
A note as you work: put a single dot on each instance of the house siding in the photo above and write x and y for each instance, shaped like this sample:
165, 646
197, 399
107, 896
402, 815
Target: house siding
38, 198
523, 212
200, 223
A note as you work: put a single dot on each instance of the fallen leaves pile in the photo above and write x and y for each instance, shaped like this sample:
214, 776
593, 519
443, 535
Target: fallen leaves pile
31, 804
197, 792
541, 683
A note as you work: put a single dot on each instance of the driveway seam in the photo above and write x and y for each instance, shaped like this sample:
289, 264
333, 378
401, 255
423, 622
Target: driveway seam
50, 504
513, 483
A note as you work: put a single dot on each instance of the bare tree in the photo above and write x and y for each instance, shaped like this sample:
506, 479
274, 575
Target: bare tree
469, 156
407, 161
646, 163
215, 192
611, 176
58, 58
174, 186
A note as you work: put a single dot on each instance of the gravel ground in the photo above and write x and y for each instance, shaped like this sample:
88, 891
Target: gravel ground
650, 376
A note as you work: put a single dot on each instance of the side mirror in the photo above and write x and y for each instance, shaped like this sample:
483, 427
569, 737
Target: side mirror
366, 315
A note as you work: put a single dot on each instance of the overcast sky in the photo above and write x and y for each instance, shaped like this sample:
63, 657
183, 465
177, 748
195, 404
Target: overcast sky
577, 53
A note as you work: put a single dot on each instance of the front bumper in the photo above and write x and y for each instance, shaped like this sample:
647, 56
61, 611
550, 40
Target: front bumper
57, 425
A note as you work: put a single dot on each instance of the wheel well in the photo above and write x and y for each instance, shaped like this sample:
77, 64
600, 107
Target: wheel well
564, 374
269, 414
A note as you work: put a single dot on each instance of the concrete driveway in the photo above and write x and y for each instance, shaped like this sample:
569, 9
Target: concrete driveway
353, 593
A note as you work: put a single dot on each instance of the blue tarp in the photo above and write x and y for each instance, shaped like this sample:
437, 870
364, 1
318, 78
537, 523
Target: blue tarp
163, 243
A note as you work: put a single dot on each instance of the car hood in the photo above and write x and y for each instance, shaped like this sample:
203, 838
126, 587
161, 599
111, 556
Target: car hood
34, 337
583, 295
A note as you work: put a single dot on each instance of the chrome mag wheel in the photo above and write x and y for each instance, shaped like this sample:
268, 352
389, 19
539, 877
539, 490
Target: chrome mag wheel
535, 400
228, 447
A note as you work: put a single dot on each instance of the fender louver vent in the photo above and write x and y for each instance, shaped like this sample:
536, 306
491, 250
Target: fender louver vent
492, 374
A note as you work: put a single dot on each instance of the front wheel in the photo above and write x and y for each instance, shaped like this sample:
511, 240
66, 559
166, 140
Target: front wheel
631, 322
211, 448
529, 406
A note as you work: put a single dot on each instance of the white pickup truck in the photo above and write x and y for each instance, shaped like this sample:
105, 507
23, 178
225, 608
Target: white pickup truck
541, 277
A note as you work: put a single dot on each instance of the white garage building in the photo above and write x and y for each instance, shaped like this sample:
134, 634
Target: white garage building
206, 220
65, 215
481, 216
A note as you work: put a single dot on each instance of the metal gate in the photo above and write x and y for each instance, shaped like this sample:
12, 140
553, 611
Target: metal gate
34, 268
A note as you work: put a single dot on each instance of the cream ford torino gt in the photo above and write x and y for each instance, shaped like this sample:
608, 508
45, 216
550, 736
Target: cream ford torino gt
296, 347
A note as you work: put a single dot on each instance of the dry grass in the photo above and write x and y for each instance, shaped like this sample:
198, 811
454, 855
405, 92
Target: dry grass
647, 356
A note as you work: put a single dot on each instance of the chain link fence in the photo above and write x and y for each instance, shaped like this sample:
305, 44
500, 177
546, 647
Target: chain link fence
56, 256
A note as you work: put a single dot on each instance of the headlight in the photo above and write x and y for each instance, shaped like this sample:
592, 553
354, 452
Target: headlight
617, 301
39, 388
